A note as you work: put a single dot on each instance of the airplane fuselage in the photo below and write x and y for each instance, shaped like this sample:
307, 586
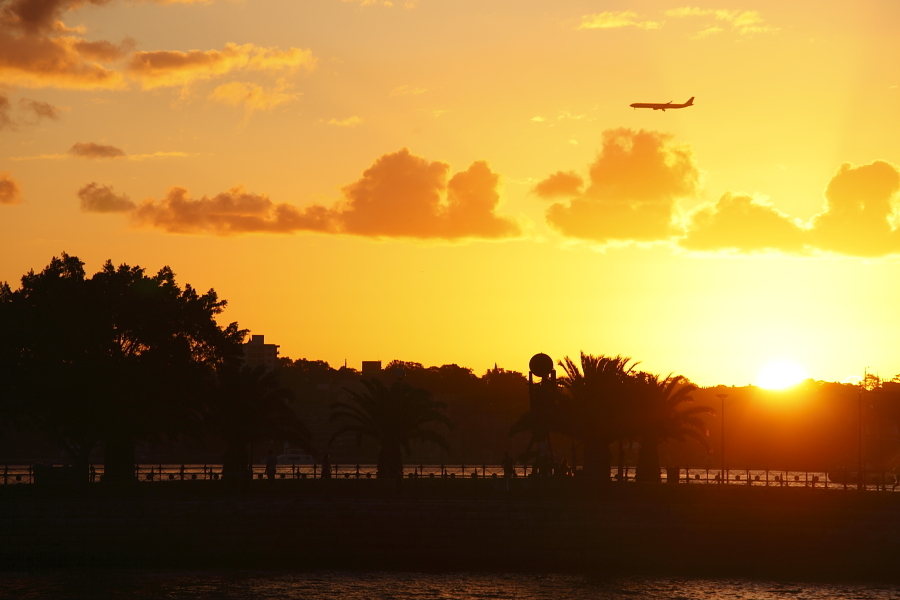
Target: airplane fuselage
662, 107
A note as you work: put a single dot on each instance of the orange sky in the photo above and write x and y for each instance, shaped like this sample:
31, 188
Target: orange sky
465, 181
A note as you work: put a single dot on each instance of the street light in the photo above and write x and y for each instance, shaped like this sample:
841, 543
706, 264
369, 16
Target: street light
860, 478
722, 398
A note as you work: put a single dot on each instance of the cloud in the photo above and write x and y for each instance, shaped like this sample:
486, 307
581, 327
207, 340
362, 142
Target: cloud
634, 183
102, 50
6, 121
399, 196
859, 211
706, 33
10, 193
92, 150
348, 122
402, 195
385, 3
406, 90
253, 97
35, 111
163, 68
41, 61
40, 110
560, 184
739, 222
859, 218
232, 212
743, 22
38, 16
615, 20
98, 198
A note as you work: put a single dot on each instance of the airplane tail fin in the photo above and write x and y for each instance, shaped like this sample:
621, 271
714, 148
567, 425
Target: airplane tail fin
690, 102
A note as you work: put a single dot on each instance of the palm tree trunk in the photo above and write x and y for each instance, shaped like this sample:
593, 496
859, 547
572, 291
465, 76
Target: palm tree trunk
234, 462
390, 461
648, 461
119, 459
597, 458
621, 462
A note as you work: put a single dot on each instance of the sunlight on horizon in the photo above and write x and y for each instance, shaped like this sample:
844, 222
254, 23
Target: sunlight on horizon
780, 374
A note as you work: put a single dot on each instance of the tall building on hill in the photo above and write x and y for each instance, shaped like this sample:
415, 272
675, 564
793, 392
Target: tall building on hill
258, 353
371, 367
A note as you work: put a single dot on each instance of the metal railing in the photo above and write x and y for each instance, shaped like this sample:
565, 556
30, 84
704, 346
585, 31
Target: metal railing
25, 474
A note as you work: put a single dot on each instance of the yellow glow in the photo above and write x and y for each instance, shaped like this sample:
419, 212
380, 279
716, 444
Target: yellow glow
780, 374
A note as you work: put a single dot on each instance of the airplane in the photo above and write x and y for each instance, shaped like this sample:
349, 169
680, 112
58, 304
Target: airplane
662, 107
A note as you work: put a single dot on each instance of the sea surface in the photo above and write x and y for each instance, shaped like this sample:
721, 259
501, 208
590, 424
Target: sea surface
344, 585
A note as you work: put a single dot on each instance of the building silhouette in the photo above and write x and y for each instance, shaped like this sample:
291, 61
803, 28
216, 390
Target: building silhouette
258, 353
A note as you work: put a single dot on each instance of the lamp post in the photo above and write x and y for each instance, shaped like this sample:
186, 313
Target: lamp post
722, 398
860, 476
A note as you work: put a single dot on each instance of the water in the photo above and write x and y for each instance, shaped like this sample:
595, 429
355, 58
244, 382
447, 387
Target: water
316, 585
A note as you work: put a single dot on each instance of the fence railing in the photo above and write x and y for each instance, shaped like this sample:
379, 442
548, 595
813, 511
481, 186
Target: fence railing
27, 474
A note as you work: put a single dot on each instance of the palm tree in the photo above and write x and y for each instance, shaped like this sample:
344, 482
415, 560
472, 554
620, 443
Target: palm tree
250, 405
659, 418
393, 417
597, 408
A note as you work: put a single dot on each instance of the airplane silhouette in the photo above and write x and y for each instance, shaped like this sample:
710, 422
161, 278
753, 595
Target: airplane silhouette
662, 107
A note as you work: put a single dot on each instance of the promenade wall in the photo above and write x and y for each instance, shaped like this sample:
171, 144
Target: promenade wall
667, 529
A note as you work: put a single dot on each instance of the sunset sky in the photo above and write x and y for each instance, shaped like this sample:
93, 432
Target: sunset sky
464, 181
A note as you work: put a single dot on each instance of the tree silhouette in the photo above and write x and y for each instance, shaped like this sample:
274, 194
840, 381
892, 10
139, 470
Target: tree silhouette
597, 408
393, 417
249, 405
110, 359
661, 419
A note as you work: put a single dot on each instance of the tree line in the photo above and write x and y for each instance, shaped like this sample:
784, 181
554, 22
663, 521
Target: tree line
124, 356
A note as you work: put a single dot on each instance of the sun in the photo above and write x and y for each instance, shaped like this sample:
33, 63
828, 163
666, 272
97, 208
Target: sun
780, 374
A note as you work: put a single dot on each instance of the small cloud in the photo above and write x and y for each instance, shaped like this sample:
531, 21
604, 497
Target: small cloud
104, 51
46, 61
92, 150
40, 110
706, 33
385, 3
253, 97
39, 16
573, 142
164, 68
10, 193
565, 115
439, 112
33, 109
406, 90
744, 22
538, 119
615, 20
158, 154
6, 121
98, 198
348, 122
560, 184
